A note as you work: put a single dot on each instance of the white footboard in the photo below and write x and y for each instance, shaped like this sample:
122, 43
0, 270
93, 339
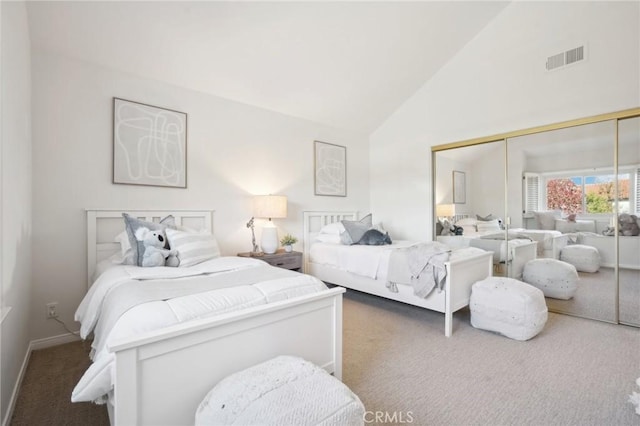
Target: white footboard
161, 377
461, 275
558, 244
522, 254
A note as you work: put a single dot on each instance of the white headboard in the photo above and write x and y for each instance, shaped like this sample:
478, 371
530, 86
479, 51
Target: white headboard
458, 217
104, 225
314, 221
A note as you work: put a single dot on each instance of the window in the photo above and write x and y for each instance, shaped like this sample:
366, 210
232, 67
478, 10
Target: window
592, 193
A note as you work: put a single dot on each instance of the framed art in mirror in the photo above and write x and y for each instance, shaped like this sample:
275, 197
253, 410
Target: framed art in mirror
459, 187
149, 145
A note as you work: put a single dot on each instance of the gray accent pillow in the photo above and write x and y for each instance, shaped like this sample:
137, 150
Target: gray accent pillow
355, 229
131, 225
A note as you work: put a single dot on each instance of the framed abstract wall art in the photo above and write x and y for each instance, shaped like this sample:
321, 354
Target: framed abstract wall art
330, 169
149, 145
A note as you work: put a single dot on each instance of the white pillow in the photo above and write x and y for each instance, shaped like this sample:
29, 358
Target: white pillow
335, 228
468, 229
126, 256
468, 225
193, 247
547, 219
467, 221
328, 238
491, 225
123, 239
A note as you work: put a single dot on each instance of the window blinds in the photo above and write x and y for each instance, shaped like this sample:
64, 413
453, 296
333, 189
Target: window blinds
637, 190
531, 191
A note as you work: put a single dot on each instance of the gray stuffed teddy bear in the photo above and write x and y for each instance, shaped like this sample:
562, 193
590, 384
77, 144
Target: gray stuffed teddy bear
628, 225
154, 252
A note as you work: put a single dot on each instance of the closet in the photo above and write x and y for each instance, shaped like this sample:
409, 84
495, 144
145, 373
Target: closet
561, 184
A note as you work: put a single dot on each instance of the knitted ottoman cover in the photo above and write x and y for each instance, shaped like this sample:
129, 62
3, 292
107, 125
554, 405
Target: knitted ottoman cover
508, 306
556, 279
584, 258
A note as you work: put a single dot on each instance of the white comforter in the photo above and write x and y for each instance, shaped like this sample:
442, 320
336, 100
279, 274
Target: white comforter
127, 300
367, 261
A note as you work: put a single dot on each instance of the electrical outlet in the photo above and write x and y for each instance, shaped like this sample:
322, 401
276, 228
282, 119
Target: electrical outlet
52, 310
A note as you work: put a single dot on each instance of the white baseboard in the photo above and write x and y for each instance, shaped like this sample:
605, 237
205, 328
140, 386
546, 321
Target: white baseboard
48, 342
16, 388
34, 345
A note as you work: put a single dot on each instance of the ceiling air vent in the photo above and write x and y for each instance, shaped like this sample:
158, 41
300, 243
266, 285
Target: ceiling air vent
565, 58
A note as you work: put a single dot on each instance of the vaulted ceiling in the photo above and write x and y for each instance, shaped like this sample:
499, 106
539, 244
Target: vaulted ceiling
344, 64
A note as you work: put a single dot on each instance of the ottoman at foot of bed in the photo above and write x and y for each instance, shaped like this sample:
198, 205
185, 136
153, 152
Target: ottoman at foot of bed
283, 390
509, 307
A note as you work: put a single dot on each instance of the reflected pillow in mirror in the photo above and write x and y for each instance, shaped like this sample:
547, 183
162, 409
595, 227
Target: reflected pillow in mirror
547, 219
489, 226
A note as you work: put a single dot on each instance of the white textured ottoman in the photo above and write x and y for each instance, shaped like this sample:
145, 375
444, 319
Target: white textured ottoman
584, 258
556, 279
285, 390
508, 306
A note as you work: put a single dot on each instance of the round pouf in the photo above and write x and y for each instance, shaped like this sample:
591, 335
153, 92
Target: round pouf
508, 306
584, 258
284, 390
556, 279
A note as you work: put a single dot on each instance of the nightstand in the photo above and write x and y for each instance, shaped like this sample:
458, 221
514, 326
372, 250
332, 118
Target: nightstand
291, 260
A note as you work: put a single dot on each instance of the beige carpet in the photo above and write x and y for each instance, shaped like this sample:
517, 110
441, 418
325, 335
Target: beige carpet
575, 372
596, 296
396, 358
45, 395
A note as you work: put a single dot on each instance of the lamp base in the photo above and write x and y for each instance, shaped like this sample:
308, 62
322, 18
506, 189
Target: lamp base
269, 242
256, 253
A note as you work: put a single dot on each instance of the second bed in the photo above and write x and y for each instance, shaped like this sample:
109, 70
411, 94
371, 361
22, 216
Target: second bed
366, 268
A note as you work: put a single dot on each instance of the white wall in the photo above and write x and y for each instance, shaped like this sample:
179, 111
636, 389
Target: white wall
234, 151
16, 198
498, 83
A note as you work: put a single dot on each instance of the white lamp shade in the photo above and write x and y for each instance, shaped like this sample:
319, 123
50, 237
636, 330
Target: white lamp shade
269, 242
446, 210
270, 206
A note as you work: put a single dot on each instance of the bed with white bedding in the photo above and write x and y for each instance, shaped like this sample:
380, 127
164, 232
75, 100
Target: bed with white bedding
549, 242
164, 336
509, 254
386, 271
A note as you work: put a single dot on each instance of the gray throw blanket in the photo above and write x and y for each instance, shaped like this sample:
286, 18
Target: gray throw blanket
420, 265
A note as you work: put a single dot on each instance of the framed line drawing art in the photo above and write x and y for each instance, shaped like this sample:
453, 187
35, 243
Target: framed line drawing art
330, 169
149, 145
459, 188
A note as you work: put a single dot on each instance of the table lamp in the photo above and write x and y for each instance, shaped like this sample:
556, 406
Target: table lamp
270, 207
447, 211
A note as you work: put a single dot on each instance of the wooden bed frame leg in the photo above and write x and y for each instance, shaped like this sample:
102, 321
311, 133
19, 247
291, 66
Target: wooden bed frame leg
448, 323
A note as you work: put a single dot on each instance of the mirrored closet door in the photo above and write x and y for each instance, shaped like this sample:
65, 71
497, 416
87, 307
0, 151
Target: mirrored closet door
561, 194
469, 185
566, 188
629, 203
